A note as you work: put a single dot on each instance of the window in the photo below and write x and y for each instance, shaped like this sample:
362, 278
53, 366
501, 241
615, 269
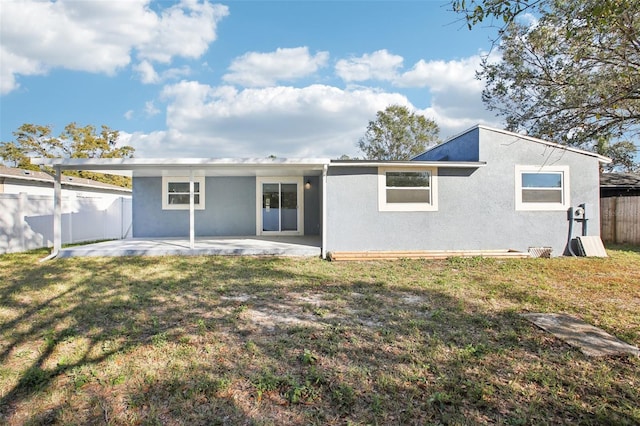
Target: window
175, 193
542, 187
407, 189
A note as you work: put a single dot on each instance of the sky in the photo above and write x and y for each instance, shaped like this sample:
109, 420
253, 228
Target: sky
240, 79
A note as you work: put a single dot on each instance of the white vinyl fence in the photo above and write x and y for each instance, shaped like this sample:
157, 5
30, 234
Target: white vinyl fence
26, 221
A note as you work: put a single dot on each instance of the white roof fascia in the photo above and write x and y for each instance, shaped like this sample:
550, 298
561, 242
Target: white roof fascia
411, 164
134, 163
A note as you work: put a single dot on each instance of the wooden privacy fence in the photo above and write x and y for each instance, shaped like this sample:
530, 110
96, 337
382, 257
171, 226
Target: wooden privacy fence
620, 220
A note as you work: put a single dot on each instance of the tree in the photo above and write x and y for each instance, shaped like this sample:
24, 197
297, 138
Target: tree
476, 11
573, 77
398, 134
32, 140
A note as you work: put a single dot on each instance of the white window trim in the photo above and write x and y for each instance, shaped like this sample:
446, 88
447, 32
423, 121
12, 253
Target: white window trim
181, 179
566, 188
383, 206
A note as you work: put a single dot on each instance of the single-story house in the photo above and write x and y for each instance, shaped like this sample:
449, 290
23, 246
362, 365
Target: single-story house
484, 189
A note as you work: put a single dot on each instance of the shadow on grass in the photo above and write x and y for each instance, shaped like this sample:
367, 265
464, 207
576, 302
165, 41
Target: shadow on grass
214, 340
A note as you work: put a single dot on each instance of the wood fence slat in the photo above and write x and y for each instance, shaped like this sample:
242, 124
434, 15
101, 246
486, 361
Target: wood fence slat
620, 220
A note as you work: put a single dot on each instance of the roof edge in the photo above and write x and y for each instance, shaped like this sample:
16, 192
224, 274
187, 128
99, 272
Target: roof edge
409, 163
602, 159
67, 181
127, 163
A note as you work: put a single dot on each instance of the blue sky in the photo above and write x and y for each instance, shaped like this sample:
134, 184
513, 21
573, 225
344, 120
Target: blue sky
240, 78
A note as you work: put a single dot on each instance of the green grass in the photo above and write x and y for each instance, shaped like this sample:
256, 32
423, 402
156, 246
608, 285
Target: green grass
243, 340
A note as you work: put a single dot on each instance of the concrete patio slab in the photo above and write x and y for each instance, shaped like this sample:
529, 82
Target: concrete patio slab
306, 246
592, 341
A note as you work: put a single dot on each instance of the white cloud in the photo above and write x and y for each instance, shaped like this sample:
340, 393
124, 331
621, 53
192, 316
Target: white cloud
379, 65
185, 29
256, 69
455, 91
528, 19
443, 75
129, 114
99, 36
148, 74
313, 121
11, 65
150, 109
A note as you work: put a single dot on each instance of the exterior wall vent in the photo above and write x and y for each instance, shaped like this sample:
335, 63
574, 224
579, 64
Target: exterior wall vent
544, 252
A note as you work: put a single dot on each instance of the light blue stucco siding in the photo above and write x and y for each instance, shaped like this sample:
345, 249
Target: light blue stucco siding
465, 148
312, 206
230, 209
476, 206
503, 151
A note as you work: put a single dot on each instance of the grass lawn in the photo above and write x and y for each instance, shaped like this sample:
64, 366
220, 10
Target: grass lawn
241, 340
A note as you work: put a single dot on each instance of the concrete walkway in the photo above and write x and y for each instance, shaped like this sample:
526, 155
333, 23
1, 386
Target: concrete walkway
306, 246
592, 341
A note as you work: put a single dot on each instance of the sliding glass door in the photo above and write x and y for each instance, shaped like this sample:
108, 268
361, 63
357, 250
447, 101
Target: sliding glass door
280, 206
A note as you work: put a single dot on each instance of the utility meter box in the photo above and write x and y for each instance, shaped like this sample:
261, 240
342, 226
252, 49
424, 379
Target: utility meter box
578, 213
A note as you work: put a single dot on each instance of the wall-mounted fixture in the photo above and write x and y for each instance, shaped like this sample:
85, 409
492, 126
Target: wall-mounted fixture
307, 185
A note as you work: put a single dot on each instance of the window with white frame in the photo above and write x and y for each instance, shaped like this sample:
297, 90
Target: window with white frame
407, 189
175, 193
542, 187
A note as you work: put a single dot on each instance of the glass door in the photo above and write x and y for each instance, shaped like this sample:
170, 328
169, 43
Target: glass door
280, 210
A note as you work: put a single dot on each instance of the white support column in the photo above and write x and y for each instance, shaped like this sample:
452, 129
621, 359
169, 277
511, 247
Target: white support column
324, 211
192, 233
57, 211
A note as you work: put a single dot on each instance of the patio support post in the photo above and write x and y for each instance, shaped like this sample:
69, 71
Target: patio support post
57, 211
324, 211
192, 234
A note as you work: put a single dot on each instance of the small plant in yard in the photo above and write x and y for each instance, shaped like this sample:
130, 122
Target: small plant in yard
343, 396
242, 340
302, 394
440, 398
266, 382
308, 357
159, 339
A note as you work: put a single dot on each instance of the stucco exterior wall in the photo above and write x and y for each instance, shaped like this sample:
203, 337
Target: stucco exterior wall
503, 151
476, 207
465, 148
230, 209
312, 208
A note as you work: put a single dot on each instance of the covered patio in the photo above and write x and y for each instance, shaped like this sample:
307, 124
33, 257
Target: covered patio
299, 246
219, 196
